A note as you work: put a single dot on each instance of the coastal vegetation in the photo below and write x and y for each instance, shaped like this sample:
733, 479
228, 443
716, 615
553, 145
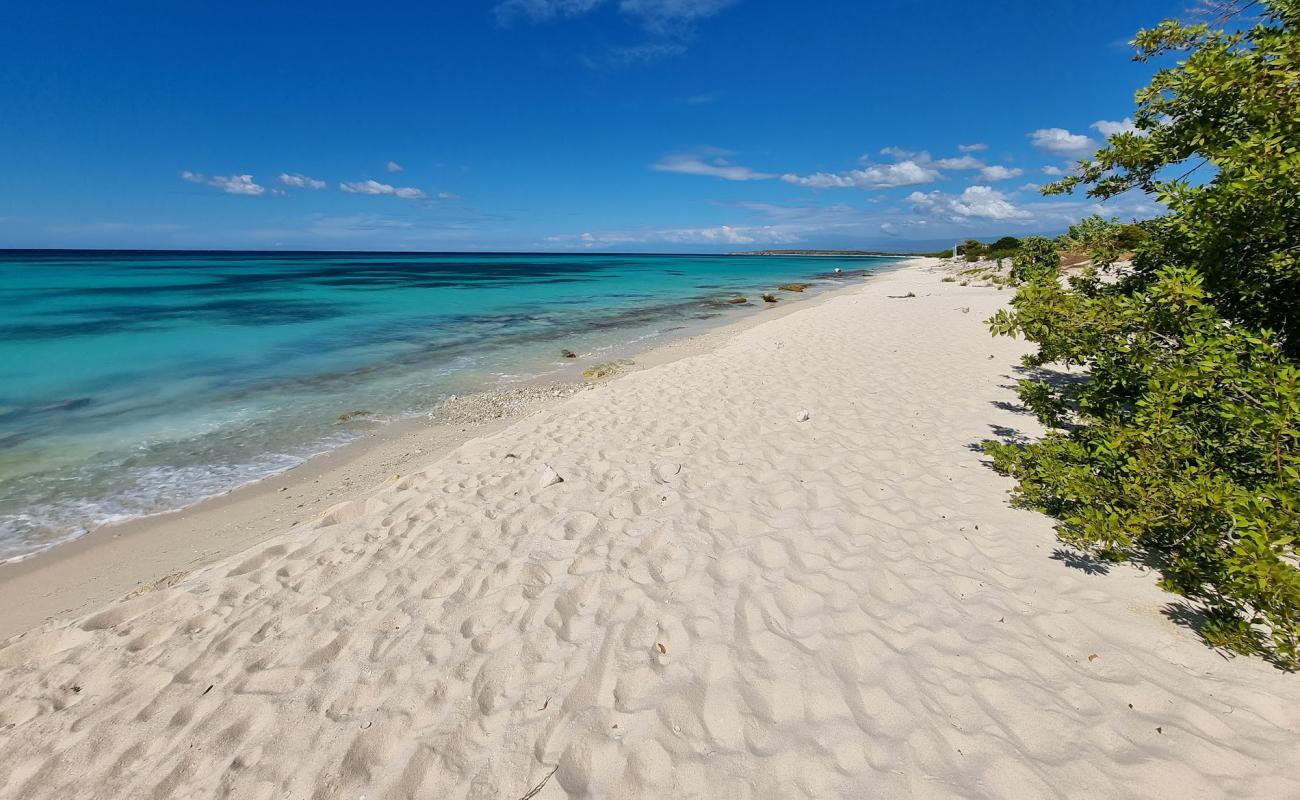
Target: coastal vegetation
1177, 445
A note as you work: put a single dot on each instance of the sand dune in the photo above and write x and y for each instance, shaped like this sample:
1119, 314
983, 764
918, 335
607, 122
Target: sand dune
720, 599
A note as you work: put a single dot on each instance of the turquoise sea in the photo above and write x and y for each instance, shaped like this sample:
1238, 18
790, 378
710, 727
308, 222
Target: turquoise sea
139, 382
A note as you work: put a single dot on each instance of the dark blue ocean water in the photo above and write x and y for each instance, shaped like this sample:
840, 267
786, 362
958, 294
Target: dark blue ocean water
138, 382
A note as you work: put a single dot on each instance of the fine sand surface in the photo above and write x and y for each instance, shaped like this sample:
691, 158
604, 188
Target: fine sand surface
721, 598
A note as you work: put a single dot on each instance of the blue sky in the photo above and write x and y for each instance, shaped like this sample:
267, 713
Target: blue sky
632, 125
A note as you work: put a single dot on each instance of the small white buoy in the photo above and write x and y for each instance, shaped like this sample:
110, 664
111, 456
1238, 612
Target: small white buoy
838, 270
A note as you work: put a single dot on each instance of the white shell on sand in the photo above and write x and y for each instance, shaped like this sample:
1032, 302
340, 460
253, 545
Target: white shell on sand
548, 477
667, 471
803, 416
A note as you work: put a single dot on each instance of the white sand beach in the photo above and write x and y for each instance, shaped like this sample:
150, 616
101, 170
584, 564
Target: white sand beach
774, 569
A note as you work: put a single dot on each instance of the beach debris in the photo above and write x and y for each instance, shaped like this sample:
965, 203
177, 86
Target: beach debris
568, 353
205, 691
533, 791
479, 408
803, 416
544, 705
607, 369
902, 296
794, 287
1093, 656
667, 471
663, 648
964, 309
768, 297
548, 477
738, 301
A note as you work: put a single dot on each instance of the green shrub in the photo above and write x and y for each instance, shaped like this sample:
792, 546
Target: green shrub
1036, 260
1179, 446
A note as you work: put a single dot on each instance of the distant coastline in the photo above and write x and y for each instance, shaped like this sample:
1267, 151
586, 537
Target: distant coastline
827, 253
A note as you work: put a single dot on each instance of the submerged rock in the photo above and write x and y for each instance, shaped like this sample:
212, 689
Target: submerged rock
568, 353
794, 287
738, 301
351, 415
769, 297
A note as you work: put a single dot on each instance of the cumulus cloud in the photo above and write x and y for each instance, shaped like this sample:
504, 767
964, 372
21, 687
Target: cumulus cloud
977, 147
375, 187
719, 234
961, 162
876, 176
977, 202
300, 181
1109, 128
1061, 142
999, 173
230, 184
393, 166
712, 165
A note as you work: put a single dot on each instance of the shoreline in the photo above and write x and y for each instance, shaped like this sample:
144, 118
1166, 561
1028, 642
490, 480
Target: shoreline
119, 558
772, 562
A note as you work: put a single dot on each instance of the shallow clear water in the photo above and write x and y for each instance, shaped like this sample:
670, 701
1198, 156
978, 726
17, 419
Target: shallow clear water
137, 382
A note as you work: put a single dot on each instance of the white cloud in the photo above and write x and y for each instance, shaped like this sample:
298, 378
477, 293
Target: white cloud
977, 147
657, 16
979, 202
642, 53
1030, 187
876, 176
961, 162
667, 16
715, 166
448, 196
720, 234
375, 187
1109, 128
393, 166
300, 181
541, 10
1053, 171
900, 154
999, 173
1062, 142
230, 184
